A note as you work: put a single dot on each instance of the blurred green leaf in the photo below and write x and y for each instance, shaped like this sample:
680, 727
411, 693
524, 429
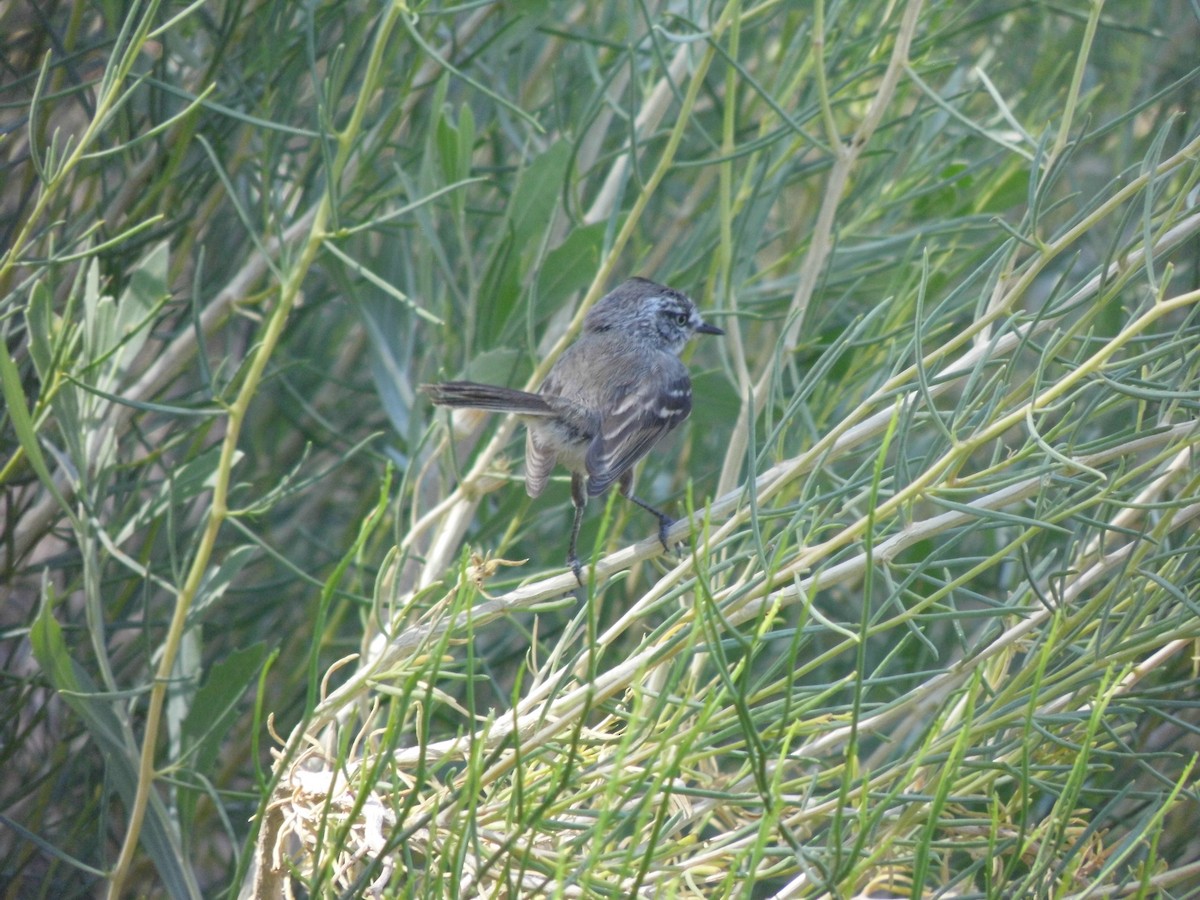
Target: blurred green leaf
1010, 191
160, 835
456, 144
946, 198
22, 422
145, 292
39, 321
215, 704
99, 319
568, 268
217, 581
502, 365
528, 214
214, 710
537, 196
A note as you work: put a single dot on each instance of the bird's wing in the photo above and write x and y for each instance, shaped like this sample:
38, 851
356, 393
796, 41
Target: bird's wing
635, 422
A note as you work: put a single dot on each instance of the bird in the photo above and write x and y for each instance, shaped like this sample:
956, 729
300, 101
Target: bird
608, 399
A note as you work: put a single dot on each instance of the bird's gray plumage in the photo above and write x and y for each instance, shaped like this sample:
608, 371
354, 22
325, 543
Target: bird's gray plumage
610, 397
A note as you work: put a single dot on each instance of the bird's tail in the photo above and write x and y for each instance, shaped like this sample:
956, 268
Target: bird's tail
472, 395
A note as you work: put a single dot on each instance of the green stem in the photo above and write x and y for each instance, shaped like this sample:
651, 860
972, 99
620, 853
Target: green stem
1089, 38
218, 511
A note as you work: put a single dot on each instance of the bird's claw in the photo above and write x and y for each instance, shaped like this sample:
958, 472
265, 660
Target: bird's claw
664, 525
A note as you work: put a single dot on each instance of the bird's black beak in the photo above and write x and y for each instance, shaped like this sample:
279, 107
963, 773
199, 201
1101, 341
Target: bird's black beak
709, 329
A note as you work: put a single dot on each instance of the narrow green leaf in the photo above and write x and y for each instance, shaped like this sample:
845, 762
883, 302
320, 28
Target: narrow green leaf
569, 267
22, 422
39, 323
111, 733
530, 213
145, 292
214, 709
217, 582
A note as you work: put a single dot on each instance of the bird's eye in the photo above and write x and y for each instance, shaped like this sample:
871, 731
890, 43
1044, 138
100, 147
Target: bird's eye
682, 319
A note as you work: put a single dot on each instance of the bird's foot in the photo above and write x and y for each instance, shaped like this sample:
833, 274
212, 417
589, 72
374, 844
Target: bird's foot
664, 525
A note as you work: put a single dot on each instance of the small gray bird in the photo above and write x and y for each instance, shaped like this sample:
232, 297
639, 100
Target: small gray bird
608, 399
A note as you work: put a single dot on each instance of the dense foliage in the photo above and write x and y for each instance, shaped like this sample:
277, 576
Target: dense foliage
272, 622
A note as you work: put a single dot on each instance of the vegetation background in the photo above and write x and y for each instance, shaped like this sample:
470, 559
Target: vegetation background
936, 634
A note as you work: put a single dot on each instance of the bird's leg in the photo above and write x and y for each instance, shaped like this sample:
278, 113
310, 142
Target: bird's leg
624, 483
578, 500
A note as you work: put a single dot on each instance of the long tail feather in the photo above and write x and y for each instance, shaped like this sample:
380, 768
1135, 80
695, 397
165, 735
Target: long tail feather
472, 395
